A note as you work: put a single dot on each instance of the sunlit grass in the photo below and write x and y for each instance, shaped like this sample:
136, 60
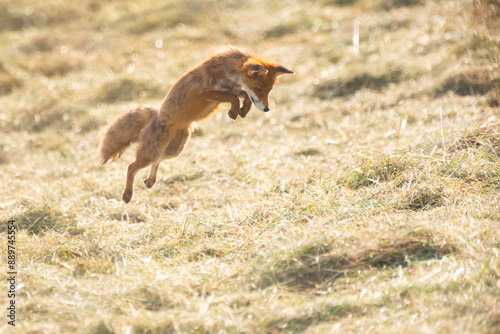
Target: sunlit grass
366, 200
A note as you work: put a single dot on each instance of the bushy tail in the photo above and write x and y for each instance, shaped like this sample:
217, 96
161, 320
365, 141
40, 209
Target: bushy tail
125, 130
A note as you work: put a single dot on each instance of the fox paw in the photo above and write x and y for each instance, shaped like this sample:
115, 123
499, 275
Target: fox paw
245, 108
232, 115
149, 183
127, 196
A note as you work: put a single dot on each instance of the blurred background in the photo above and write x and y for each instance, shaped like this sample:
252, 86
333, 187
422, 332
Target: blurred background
366, 198
64, 63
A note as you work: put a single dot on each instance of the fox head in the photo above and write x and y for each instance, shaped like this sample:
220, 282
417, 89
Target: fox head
258, 79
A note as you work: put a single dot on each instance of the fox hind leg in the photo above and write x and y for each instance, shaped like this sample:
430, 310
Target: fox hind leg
173, 149
152, 142
150, 181
132, 170
177, 144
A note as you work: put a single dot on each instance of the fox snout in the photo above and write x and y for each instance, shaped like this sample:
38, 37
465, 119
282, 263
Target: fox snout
258, 103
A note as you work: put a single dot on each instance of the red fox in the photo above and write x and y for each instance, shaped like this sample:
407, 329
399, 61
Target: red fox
163, 132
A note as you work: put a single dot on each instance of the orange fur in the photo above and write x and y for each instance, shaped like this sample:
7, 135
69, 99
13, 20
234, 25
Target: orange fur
163, 132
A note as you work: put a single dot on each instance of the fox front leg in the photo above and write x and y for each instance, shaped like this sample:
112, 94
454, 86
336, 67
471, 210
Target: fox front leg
225, 97
247, 104
233, 114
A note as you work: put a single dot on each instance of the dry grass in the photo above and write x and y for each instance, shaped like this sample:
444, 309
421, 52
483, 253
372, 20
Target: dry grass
318, 264
367, 200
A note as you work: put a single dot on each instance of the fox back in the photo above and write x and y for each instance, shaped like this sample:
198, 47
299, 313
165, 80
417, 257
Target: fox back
233, 71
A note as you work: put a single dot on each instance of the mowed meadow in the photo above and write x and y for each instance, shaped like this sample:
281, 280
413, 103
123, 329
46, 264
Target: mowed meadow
366, 200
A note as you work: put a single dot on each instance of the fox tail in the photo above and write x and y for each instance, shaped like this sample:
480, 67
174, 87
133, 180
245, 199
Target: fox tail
125, 130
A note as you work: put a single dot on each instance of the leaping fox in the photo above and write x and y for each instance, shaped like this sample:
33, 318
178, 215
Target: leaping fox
163, 132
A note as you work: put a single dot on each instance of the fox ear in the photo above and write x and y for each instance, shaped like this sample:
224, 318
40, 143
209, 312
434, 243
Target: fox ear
282, 70
256, 71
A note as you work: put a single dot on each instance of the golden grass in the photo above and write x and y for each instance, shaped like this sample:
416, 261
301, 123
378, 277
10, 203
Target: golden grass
319, 264
366, 200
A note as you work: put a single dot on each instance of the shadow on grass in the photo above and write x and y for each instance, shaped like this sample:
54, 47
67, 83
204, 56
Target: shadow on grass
8, 82
52, 115
388, 4
372, 171
316, 264
421, 197
39, 220
484, 136
289, 28
473, 82
15, 17
298, 324
349, 86
150, 297
166, 17
376, 4
120, 90
340, 3
473, 157
131, 218
184, 178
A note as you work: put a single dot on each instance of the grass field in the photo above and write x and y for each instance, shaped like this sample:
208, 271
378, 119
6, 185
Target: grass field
366, 200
